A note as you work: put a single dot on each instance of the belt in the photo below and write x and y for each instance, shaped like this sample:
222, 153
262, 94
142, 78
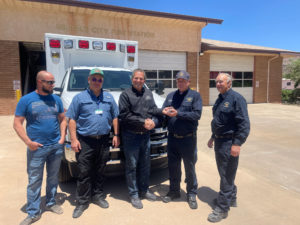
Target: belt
95, 136
182, 136
137, 132
224, 136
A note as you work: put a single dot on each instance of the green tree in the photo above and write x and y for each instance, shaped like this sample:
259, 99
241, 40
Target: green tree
293, 72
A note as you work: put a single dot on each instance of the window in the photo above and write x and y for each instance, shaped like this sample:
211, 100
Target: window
240, 79
288, 83
167, 77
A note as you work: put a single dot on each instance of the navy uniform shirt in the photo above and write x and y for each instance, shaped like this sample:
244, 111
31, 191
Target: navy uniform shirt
93, 115
189, 109
230, 117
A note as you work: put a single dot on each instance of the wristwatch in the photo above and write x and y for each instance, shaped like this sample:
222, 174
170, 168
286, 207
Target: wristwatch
117, 135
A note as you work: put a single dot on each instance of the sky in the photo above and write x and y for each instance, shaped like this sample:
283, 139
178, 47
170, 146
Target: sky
268, 23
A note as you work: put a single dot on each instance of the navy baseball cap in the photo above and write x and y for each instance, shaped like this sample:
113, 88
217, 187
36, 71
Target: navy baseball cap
183, 74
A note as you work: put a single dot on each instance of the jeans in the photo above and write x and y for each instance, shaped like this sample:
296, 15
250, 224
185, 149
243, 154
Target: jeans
227, 167
182, 149
51, 155
91, 159
137, 162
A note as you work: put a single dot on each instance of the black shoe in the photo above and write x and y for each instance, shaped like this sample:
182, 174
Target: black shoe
192, 202
136, 202
79, 210
171, 195
233, 202
101, 202
217, 215
149, 196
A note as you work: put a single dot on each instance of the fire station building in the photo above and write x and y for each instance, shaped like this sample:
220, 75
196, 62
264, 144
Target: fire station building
167, 43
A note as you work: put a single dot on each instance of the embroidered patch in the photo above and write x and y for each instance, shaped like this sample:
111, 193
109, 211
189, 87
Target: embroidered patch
226, 104
189, 99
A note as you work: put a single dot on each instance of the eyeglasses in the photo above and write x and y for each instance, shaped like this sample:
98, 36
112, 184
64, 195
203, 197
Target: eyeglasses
50, 82
95, 80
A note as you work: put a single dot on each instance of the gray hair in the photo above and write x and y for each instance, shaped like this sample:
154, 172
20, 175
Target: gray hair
228, 77
139, 70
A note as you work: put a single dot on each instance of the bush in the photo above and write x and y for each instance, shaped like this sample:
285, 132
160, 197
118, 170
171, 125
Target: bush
290, 96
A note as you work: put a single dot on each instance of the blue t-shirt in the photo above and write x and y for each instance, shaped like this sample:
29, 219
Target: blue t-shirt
93, 115
41, 113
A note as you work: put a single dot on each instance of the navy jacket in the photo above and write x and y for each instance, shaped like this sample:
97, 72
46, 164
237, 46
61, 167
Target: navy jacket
188, 112
230, 117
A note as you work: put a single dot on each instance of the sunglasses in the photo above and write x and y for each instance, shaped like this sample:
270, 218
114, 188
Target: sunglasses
95, 80
50, 82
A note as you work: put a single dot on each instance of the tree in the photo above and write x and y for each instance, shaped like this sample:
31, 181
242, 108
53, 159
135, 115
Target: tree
293, 72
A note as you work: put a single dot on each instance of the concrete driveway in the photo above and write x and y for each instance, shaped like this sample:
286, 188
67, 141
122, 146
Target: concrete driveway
268, 180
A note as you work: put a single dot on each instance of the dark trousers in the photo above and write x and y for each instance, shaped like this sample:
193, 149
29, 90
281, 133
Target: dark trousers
182, 149
91, 163
137, 161
227, 167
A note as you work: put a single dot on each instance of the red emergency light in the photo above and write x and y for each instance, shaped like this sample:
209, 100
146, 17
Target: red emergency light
83, 44
111, 46
130, 49
54, 43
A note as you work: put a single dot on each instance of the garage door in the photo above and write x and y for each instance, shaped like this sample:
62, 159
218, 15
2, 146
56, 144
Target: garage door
240, 67
162, 66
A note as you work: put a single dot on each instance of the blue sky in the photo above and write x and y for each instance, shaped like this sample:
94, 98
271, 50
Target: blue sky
269, 23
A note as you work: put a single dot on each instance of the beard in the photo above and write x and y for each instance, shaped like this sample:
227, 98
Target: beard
47, 91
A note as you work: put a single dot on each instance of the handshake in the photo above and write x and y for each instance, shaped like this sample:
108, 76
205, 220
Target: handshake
169, 111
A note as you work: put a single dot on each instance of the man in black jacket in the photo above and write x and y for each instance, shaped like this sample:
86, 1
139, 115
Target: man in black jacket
137, 108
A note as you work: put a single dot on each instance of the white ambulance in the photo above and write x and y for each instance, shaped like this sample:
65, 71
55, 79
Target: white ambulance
70, 59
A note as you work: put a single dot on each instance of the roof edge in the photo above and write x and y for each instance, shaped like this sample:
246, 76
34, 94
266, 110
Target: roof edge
98, 6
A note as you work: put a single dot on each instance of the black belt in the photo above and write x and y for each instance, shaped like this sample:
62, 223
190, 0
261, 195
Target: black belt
137, 132
224, 136
182, 136
94, 136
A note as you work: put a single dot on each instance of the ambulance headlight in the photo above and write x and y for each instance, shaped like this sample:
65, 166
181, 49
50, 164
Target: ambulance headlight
68, 44
98, 45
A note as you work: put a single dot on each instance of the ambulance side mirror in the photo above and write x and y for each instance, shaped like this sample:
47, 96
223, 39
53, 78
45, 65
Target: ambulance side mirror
57, 91
160, 86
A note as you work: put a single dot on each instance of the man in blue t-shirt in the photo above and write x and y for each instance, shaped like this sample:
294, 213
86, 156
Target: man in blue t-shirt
44, 137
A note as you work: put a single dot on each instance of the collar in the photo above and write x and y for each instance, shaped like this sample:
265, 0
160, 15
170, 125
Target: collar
93, 96
183, 93
138, 92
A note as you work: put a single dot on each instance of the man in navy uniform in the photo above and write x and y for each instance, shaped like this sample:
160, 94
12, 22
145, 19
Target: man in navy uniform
230, 128
92, 113
183, 108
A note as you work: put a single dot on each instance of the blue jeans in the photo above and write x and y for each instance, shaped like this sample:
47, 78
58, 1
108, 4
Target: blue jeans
137, 162
51, 155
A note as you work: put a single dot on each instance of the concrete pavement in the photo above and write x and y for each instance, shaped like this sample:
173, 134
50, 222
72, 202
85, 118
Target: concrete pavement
268, 180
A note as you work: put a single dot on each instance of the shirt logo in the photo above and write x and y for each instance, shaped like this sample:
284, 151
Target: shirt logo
189, 99
107, 96
226, 104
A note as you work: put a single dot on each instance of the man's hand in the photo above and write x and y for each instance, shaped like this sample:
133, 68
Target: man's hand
61, 140
210, 143
75, 145
149, 124
170, 111
116, 141
33, 146
235, 150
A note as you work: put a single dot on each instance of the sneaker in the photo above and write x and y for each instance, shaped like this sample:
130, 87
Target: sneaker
233, 202
171, 195
55, 208
149, 196
29, 220
101, 202
79, 210
136, 202
217, 215
192, 202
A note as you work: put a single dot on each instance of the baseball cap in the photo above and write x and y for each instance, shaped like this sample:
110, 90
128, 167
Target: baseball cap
96, 71
183, 74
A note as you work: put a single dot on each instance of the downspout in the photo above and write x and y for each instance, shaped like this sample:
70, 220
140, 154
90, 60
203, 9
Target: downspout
268, 80
198, 52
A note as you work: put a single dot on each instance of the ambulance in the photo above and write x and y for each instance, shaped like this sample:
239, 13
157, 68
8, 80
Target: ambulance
70, 59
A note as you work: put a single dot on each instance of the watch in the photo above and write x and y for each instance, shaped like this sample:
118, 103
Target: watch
117, 135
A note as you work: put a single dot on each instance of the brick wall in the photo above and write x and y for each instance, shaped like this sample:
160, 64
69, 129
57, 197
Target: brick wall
9, 71
192, 68
261, 75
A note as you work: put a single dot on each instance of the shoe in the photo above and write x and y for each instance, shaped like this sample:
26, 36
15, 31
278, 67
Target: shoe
29, 220
192, 202
149, 196
233, 202
55, 208
79, 210
101, 202
136, 202
171, 195
217, 215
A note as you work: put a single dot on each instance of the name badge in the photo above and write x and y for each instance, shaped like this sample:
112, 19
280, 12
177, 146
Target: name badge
99, 111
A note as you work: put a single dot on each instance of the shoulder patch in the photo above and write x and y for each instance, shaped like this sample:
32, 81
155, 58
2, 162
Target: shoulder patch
226, 104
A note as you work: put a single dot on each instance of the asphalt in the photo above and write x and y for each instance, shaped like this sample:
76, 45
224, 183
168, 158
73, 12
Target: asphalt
268, 180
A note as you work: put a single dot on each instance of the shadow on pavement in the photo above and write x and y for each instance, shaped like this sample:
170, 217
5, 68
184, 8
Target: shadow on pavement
207, 195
